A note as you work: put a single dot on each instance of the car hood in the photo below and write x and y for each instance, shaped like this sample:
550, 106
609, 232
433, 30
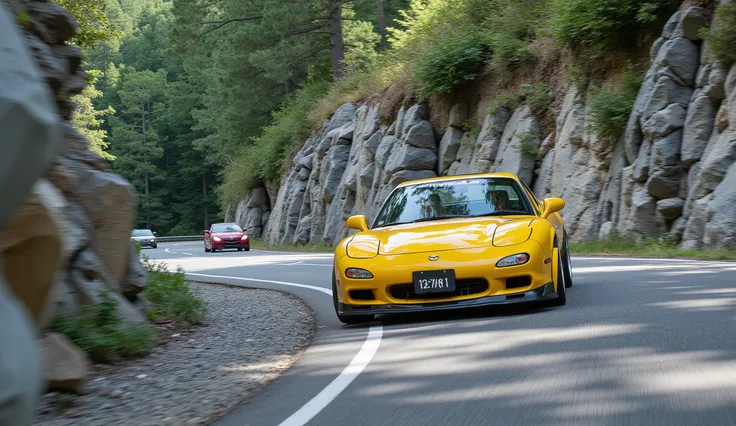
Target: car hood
441, 235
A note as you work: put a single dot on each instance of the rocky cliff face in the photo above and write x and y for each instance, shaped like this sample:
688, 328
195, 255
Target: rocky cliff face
80, 208
674, 169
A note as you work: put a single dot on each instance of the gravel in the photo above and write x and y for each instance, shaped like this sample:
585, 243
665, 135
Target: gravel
199, 374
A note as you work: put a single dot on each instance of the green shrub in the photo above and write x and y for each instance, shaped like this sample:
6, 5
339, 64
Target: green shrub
722, 38
525, 145
600, 26
535, 95
451, 64
97, 332
170, 295
652, 247
608, 112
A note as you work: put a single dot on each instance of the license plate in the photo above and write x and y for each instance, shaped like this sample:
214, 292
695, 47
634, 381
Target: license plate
434, 281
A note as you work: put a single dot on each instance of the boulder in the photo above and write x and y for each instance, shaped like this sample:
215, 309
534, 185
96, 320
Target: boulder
640, 170
666, 151
671, 208
408, 157
343, 115
673, 27
66, 367
606, 230
458, 115
414, 115
680, 56
677, 229
720, 227
693, 19
337, 160
665, 92
543, 183
448, 148
110, 206
715, 87
136, 276
664, 122
521, 134
698, 129
664, 183
421, 135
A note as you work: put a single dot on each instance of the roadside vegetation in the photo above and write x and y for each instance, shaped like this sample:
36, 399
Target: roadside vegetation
98, 329
660, 248
318, 248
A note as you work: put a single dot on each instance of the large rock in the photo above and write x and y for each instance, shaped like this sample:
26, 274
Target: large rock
421, 135
409, 175
449, 146
666, 121
543, 184
66, 368
666, 151
665, 92
108, 201
693, 19
698, 129
408, 157
665, 182
680, 56
519, 138
136, 277
671, 208
720, 227
458, 115
417, 114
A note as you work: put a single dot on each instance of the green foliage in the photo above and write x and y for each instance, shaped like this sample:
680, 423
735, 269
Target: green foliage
138, 247
608, 112
449, 65
93, 25
599, 26
171, 296
266, 157
98, 332
664, 247
534, 95
87, 120
511, 27
721, 37
526, 145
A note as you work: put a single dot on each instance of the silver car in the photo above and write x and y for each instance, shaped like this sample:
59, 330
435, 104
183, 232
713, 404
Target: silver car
145, 237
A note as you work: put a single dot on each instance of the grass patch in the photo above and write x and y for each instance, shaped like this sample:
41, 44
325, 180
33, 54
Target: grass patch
97, 331
171, 297
722, 37
525, 145
618, 246
318, 248
609, 111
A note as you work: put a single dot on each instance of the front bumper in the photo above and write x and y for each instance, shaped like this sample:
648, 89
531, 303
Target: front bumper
231, 244
545, 292
147, 243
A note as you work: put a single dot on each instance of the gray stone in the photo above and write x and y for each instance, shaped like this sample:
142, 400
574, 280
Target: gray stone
366, 175
258, 197
407, 157
399, 123
644, 214
414, 115
371, 144
136, 276
640, 170
665, 121
716, 163
715, 88
671, 208
693, 19
338, 160
303, 174
606, 230
458, 115
664, 183
522, 128
698, 129
731, 95
656, 46
421, 135
343, 115
720, 228
384, 149
665, 92
666, 151
692, 238
543, 183
307, 161
343, 135
673, 27
409, 175
678, 228
448, 148
681, 56
632, 137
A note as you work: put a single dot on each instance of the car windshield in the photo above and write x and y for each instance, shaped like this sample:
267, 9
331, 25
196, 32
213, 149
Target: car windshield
474, 197
226, 227
142, 233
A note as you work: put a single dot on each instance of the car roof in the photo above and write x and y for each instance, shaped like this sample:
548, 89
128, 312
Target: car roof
224, 223
460, 177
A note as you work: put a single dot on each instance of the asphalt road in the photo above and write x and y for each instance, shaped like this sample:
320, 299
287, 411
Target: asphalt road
640, 342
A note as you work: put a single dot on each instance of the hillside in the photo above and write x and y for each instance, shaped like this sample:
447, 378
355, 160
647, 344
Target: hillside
643, 156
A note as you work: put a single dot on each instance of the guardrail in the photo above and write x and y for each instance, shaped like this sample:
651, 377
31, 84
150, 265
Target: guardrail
176, 239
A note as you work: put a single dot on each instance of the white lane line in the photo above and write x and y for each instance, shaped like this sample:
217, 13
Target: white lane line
188, 254
341, 382
326, 291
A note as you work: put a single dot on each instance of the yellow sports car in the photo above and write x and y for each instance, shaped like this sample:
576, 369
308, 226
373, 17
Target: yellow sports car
453, 242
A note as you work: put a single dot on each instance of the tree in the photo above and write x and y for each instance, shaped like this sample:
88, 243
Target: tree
93, 25
87, 120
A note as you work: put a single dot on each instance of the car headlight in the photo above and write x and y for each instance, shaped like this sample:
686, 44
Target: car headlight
245, 237
517, 259
218, 239
357, 273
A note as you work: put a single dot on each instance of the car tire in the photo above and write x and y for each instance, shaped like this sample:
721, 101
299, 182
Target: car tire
567, 264
206, 250
154, 246
347, 319
561, 294
240, 248
247, 249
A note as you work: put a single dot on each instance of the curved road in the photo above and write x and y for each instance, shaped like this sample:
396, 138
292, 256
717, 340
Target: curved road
639, 342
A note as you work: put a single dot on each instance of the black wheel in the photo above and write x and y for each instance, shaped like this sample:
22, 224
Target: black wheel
567, 264
561, 294
247, 249
347, 319
206, 250
154, 246
240, 248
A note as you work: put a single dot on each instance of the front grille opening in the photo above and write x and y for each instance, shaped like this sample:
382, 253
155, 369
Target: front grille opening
518, 282
462, 288
362, 295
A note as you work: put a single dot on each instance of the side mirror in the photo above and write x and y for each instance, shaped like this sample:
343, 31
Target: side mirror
155, 234
552, 205
358, 222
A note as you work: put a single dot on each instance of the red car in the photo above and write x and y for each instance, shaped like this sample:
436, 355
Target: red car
225, 235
